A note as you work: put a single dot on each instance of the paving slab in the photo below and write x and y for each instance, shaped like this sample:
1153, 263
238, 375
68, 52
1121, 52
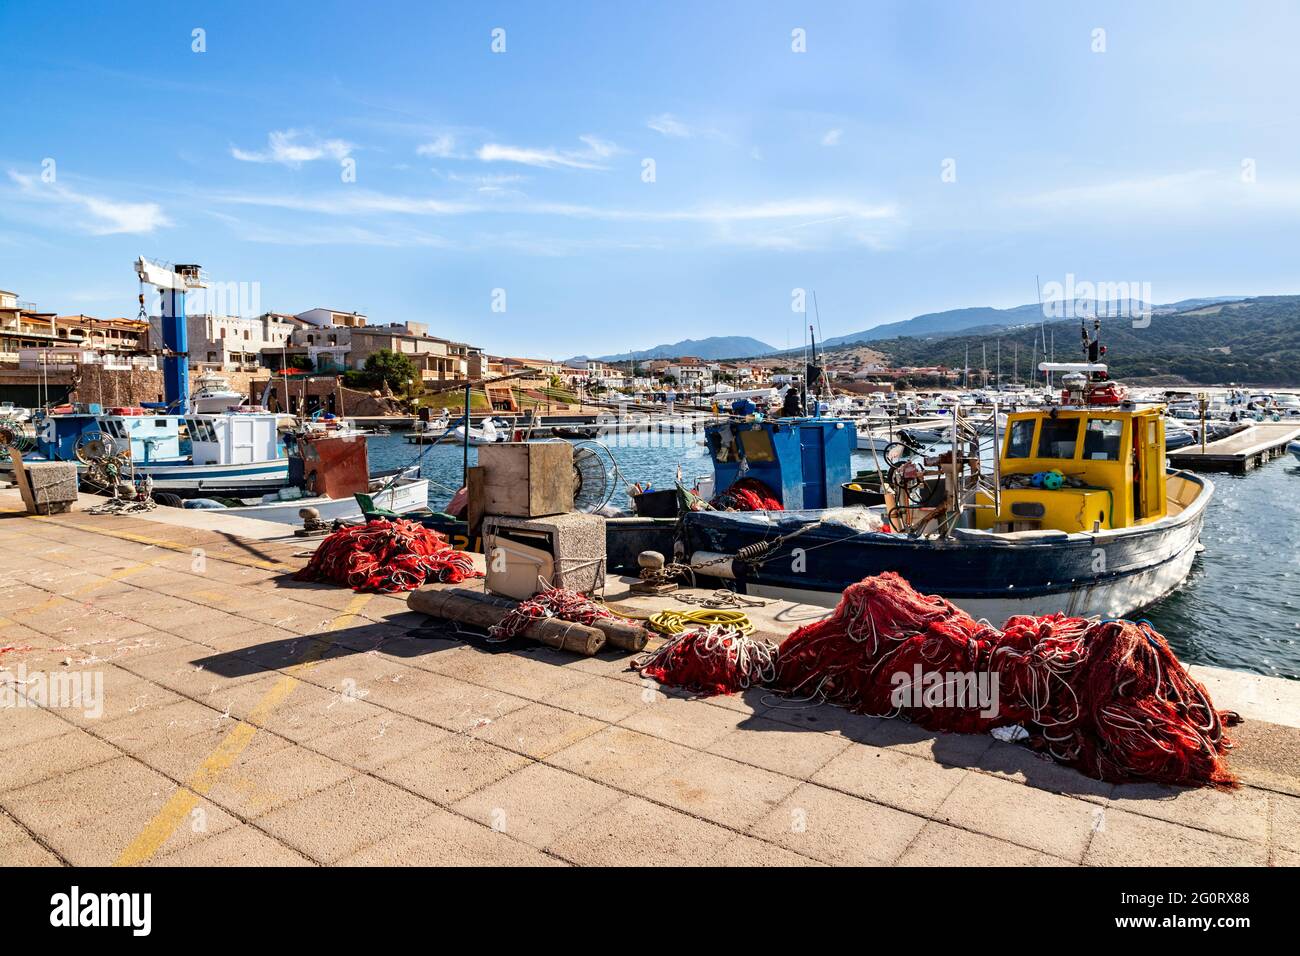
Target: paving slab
1058, 825
733, 794
1130, 839
838, 829
636, 832
538, 804
344, 819
452, 769
621, 758
894, 779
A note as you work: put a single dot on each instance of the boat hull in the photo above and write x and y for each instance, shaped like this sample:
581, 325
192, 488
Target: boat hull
188, 480
405, 497
1109, 574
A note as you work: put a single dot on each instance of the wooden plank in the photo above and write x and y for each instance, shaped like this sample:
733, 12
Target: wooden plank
474, 478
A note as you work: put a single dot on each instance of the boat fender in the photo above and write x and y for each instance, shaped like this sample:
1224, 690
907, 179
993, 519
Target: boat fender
713, 563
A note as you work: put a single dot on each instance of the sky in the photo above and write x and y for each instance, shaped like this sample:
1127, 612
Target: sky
552, 179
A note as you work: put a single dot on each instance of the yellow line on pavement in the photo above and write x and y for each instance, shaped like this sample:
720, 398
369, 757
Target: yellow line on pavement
178, 807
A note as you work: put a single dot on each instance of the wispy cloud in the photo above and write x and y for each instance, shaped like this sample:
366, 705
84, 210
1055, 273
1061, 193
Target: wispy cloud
668, 125
351, 202
291, 147
591, 157
720, 213
832, 137
106, 216
442, 147
1196, 192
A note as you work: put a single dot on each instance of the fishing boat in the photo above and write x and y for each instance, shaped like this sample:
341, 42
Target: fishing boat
1076, 512
1294, 448
233, 453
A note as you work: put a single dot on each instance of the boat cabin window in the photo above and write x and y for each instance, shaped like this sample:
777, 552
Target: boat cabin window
113, 427
201, 430
1101, 439
757, 444
1021, 442
1058, 438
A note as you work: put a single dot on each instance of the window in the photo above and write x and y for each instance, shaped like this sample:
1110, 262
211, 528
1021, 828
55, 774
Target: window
757, 445
1058, 438
1101, 439
1021, 441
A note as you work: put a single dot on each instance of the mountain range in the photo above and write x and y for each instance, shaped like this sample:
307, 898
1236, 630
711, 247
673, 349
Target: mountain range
931, 325
713, 348
955, 321
1253, 341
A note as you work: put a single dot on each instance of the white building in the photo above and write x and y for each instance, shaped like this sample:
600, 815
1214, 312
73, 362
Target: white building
327, 317
690, 376
229, 342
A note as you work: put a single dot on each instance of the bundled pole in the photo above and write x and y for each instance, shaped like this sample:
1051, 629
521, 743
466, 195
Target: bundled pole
459, 604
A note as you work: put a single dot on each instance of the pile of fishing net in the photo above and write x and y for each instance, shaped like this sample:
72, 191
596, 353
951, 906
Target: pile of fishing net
387, 555
1109, 698
747, 494
717, 659
561, 603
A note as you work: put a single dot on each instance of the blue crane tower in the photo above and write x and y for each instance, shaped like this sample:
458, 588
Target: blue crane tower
173, 281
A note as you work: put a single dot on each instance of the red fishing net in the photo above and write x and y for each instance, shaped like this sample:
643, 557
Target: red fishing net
747, 494
386, 556
712, 660
1109, 698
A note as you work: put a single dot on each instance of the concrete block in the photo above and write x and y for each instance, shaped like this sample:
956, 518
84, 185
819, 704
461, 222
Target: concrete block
53, 486
568, 550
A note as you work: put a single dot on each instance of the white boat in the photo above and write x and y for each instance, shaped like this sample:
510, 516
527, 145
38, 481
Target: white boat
401, 492
430, 432
489, 433
213, 394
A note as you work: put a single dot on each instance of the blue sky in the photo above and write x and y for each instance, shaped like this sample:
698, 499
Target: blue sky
525, 170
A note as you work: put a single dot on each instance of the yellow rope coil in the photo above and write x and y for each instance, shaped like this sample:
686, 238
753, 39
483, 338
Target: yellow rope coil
674, 622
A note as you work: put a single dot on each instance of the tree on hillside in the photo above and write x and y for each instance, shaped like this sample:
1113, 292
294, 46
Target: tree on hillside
391, 368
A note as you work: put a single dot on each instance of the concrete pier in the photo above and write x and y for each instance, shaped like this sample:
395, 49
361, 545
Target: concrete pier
1239, 453
230, 716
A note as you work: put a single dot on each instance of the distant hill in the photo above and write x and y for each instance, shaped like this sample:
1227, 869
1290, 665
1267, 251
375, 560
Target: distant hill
959, 321
1202, 342
715, 347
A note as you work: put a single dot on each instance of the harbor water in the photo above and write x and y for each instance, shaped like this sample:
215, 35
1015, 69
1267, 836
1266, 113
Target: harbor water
1239, 608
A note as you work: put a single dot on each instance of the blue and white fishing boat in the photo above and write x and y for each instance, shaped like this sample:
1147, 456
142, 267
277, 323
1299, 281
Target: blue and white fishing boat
234, 453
